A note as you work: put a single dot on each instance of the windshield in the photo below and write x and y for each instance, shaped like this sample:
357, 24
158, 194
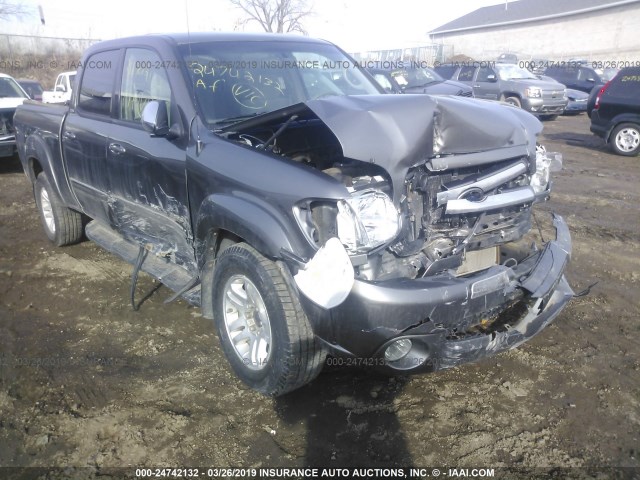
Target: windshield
513, 72
236, 80
9, 88
416, 77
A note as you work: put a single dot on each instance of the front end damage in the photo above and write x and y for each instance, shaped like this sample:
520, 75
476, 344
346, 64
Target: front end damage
427, 261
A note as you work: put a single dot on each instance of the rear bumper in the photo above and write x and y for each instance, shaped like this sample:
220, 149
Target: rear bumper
436, 313
599, 127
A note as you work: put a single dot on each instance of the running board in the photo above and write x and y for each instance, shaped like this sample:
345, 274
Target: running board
167, 273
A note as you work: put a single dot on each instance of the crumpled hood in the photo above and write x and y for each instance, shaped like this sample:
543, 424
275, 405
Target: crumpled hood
397, 131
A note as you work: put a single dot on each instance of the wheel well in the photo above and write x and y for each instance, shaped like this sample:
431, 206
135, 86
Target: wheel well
506, 95
35, 168
617, 124
217, 242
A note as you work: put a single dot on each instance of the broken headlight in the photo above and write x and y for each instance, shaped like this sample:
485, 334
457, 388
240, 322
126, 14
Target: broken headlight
546, 162
367, 220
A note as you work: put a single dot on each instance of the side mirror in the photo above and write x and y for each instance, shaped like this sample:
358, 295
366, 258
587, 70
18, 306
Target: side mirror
154, 118
591, 80
491, 78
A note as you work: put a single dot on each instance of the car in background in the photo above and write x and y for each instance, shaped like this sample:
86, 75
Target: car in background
508, 58
576, 76
577, 99
11, 95
62, 90
511, 84
577, 102
418, 80
616, 112
32, 87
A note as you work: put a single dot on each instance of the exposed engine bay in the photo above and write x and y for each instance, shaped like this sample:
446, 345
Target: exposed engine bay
437, 216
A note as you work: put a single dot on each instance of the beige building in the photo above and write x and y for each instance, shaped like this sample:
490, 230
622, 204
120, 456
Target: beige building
597, 30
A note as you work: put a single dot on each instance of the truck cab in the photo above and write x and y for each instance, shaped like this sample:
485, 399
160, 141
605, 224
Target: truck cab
62, 89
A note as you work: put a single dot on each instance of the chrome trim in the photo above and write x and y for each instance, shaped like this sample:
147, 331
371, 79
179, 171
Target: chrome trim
509, 198
484, 183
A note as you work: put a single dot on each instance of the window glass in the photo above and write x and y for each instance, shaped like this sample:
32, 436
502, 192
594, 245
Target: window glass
9, 88
466, 74
446, 71
626, 84
143, 80
234, 80
483, 74
383, 81
97, 83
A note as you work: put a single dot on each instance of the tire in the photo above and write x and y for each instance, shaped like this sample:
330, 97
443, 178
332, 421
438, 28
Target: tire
515, 101
625, 139
62, 225
548, 118
262, 327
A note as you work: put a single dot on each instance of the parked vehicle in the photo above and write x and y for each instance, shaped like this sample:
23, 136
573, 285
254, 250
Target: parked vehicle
616, 112
508, 58
511, 84
62, 90
577, 100
32, 87
11, 95
418, 80
575, 76
267, 179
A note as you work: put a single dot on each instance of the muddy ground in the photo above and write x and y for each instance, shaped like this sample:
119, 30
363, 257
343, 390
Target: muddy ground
87, 382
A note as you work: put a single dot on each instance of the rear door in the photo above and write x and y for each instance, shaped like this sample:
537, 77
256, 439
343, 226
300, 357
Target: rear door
84, 134
147, 174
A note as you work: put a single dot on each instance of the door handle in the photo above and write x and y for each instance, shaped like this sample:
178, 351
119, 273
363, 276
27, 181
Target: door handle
69, 135
116, 148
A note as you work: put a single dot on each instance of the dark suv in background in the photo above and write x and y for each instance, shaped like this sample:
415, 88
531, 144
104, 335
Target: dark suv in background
616, 113
578, 77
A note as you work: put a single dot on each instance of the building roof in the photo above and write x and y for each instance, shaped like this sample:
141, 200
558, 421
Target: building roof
523, 11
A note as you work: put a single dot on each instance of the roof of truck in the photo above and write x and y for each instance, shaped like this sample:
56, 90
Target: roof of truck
202, 37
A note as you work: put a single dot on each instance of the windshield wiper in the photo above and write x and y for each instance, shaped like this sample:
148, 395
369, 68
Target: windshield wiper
239, 118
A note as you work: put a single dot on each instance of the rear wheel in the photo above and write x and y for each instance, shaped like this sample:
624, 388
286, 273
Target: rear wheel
548, 117
625, 139
262, 327
62, 225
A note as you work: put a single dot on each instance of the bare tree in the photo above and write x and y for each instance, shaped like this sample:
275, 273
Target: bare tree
9, 9
278, 16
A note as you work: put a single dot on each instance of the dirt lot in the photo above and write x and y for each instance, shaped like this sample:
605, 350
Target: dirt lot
87, 382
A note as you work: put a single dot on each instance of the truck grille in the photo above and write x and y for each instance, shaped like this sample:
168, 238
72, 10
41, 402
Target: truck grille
490, 204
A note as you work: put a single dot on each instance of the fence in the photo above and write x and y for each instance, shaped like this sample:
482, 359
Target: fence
427, 54
40, 58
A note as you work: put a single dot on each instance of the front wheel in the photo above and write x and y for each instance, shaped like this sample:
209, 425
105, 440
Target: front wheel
625, 139
62, 225
262, 327
515, 101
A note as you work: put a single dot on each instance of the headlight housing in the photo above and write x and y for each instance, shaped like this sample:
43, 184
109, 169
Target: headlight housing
533, 92
367, 220
546, 162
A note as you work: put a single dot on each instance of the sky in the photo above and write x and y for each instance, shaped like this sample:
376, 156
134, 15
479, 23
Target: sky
354, 25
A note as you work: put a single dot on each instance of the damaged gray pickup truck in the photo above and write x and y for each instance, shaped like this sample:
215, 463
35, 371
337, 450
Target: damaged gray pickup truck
268, 180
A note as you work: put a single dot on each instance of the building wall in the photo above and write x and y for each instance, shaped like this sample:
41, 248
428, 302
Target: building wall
606, 35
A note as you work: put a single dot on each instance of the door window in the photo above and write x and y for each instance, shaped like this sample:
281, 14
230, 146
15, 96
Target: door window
143, 79
98, 78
